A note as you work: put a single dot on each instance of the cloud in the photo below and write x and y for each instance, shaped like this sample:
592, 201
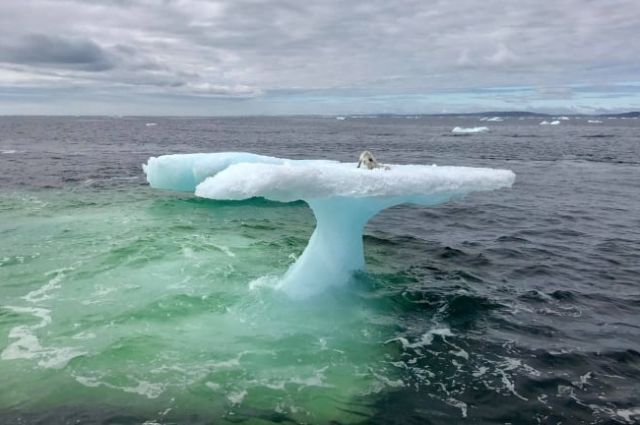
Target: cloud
56, 52
207, 89
502, 56
261, 49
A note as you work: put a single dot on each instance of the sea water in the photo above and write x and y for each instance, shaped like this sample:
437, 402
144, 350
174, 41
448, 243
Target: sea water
124, 304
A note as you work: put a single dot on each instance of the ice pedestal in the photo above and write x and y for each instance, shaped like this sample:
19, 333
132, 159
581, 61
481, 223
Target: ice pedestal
335, 248
343, 199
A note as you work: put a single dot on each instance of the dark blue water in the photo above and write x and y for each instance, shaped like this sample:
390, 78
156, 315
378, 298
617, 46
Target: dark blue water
539, 285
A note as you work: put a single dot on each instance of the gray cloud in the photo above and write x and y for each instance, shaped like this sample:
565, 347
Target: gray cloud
54, 51
254, 48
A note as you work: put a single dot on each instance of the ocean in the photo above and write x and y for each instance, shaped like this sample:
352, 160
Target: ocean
121, 304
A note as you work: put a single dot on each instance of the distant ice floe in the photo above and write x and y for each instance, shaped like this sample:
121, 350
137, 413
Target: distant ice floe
594, 122
563, 118
469, 130
494, 119
341, 118
545, 122
151, 124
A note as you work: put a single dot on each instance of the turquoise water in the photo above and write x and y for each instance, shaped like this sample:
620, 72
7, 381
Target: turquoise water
164, 304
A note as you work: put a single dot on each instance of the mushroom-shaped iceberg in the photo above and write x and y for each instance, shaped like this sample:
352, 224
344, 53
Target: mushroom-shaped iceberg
343, 199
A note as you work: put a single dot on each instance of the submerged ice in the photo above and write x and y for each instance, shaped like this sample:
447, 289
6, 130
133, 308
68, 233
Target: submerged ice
342, 197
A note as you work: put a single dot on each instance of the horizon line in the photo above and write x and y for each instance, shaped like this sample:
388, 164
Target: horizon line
505, 113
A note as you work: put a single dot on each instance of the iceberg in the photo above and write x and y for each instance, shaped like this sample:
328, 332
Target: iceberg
545, 122
495, 119
343, 199
469, 130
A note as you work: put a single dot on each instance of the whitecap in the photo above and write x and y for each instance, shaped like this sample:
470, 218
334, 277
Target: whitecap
43, 293
629, 414
236, 397
224, 249
144, 388
425, 339
270, 282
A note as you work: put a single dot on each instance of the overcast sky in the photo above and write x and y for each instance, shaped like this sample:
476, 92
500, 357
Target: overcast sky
200, 57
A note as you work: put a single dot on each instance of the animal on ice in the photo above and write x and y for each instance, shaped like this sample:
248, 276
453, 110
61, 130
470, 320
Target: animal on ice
370, 161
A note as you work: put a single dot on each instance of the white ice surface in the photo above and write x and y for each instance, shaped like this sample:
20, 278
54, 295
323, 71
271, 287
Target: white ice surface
293, 180
184, 172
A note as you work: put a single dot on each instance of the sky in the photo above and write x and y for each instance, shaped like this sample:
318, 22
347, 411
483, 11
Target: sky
253, 57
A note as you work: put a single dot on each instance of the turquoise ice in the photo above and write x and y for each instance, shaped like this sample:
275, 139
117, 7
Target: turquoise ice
343, 199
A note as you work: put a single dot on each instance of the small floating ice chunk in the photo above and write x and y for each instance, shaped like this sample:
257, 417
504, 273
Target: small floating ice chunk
151, 124
469, 130
545, 122
495, 119
594, 122
341, 118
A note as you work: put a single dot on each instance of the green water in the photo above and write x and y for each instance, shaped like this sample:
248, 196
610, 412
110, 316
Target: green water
164, 307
